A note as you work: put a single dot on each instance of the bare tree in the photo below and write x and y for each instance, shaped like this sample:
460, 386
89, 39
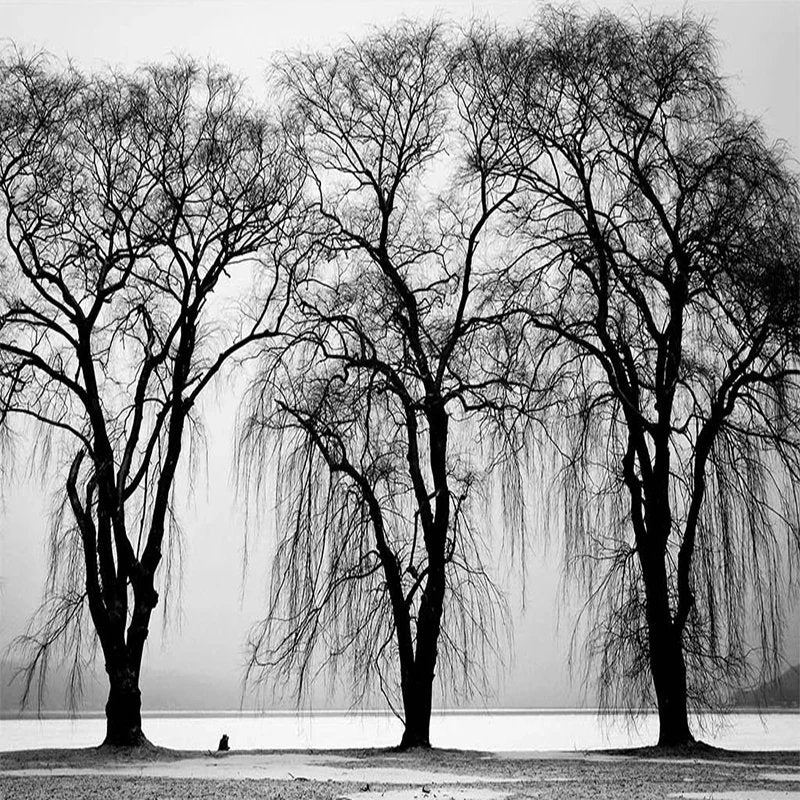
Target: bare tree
379, 401
658, 269
128, 200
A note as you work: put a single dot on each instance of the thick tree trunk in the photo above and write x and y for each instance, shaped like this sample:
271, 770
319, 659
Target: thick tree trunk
417, 672
123, 665
417, 682
417, 699
669, 678
124, 707
667, 665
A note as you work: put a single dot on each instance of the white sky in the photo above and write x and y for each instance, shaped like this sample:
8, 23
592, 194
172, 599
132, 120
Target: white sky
759, 52
759, 39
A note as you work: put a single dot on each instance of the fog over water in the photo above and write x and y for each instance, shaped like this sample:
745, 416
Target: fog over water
195, 660
492, 732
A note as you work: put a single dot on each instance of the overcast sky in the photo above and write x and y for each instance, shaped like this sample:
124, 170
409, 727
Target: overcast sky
759, 47
759, 51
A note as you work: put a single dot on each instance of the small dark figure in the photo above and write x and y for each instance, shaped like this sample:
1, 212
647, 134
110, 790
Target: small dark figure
223, 743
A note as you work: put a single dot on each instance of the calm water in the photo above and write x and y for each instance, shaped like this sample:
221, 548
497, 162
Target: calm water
486, 730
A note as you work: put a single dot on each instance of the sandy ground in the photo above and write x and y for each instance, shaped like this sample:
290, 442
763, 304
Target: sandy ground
388, 775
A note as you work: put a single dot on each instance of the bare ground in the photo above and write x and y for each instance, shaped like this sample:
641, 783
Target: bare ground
389, 775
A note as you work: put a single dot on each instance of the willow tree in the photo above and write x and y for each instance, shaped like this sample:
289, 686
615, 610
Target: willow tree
659, 255
127, 201
378, 400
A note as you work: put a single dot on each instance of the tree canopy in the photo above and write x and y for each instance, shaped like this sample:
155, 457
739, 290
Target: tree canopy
127, 200
657, 253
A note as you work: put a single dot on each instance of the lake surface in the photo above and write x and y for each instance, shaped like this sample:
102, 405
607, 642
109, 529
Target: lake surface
480, 730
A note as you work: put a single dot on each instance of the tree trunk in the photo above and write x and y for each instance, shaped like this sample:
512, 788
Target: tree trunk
667, 665
669, 679
417, 682
417, 675
124, 707
417, 700
673, 717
